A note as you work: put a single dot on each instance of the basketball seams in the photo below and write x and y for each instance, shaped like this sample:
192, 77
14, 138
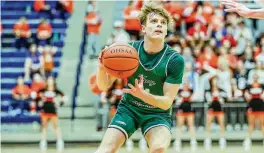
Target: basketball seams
120, 70
121, 57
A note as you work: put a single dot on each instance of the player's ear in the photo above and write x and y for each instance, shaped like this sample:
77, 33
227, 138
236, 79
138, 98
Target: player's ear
143, 29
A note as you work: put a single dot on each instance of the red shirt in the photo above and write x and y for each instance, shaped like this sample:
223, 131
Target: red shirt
44, 27
38, 5
231, 39
23, 90
93, 28
132, 24
67, 5
23, 28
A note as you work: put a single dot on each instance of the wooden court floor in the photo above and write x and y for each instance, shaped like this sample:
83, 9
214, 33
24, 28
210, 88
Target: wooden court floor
86, 149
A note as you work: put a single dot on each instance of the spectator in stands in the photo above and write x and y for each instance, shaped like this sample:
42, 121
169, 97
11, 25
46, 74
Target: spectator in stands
49, 113
44, 33
132, 24
43, 9
175, 9
34, 63
119, 34
93, 22
48, 57
228, 40
197, 32
259, 70
260, 56
64, 8
36, 86
243, 36
100, 103
248, 59
192, 77
240, 75
22, 33
21, 94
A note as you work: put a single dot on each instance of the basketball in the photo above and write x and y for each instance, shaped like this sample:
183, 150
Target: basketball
120, 60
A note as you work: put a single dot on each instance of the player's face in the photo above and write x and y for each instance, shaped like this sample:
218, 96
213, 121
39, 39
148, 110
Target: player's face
156, 26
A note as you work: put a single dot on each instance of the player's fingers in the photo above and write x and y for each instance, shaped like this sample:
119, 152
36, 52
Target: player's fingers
136, 83
131, 87
127, 91
232, 10
141, 80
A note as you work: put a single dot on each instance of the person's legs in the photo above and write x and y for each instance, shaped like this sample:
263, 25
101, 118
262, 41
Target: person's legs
158, 139
221, 122
96, 46
251, 123
207, 142
55, 124
44, 126
91, 41
177, 142
112, 141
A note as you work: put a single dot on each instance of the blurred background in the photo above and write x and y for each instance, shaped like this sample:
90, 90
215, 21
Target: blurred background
60, 40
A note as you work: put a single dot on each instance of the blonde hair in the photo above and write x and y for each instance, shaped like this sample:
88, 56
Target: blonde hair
156, 9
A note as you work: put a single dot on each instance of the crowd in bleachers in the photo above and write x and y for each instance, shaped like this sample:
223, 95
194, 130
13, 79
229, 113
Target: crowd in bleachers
32, 31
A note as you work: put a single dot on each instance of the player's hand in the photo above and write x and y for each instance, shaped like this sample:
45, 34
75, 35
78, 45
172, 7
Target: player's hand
137, 90
100, 56
239, 8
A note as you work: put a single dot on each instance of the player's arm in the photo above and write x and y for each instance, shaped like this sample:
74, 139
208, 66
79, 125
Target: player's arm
233, 6
257, 13
163, 102
170, 88
103, 80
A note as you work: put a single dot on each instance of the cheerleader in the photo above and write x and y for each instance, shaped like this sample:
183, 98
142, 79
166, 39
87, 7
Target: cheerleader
48, 113
255, 109
185, 113
215, 97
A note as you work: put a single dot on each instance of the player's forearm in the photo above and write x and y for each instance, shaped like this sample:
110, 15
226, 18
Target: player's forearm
256, 13
162, 102
103, 80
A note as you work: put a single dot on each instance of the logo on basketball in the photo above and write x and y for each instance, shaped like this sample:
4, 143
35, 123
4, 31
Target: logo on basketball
121, 50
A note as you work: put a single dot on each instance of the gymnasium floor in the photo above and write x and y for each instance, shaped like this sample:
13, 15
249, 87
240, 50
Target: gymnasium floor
84, 149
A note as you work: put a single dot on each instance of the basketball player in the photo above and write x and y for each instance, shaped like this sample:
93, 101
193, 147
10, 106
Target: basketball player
242, 10
148, 98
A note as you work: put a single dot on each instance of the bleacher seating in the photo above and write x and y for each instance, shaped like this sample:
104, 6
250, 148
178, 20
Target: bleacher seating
12, 61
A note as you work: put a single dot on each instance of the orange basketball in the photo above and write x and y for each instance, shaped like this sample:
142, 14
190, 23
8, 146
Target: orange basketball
120, 60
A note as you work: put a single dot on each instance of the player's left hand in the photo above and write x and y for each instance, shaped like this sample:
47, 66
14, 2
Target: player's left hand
137, 90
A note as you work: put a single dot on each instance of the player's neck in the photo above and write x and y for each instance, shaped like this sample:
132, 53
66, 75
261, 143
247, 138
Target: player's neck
153, 46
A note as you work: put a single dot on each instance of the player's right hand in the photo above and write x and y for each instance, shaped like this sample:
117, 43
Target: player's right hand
100, 56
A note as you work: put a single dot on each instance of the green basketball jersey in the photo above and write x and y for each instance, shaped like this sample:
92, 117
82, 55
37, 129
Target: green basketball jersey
165, 66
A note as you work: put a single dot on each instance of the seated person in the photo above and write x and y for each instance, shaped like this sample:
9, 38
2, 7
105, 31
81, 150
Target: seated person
22, 33
34, 63
21, 94
44, 33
